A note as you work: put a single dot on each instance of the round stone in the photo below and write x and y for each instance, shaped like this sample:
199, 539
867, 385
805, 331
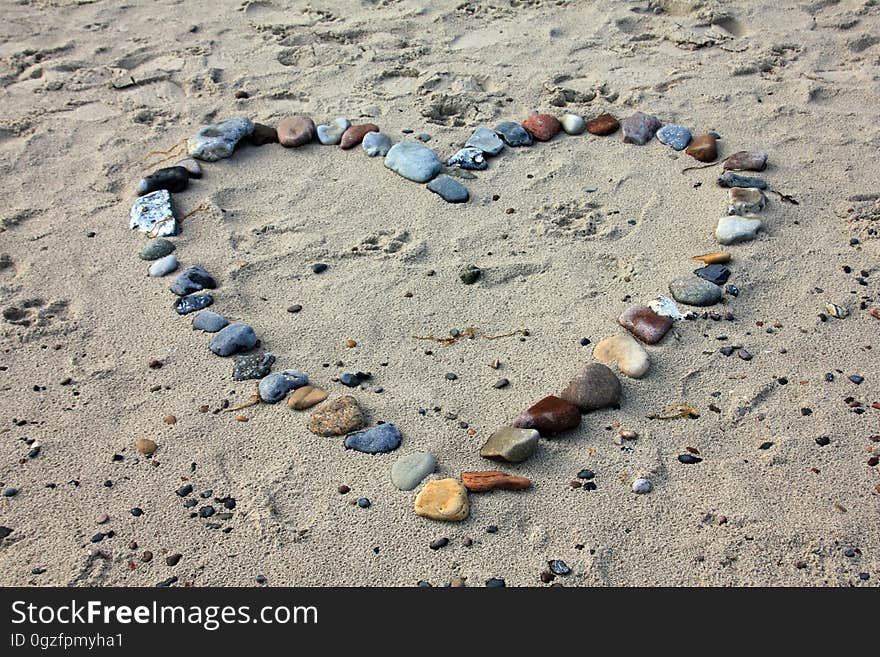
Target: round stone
355, 134
695, 291
573, 124
409, 471
594, 387
155, 249
376, 143
642, 486
294, 131
209, 321
337, 417
145, 446
413, 161
625, 350
233, 339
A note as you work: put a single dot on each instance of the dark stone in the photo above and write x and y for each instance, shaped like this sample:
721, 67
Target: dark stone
586, 474
644, 323
174, 179
252, 366
469, 274
513, 134
549, 417
263, 134
730, 179
184, 490
363, 503
193, 279
689, 459
438, 543
319, 267
559, 567
495, 583
192, 303
717, 274
449, 190
350, 380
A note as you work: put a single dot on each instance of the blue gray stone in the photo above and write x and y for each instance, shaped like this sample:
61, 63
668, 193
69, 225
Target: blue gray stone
413, 161
330, 134
152, 214
192, 303
163, 266
642, 486
233, 339
676, 136
449, 190
514, 134
217, 141
275, 387
729, 179
376, 143
486, 140
695, 291
252, 366
378, 440
193, 279
468, 158
209, 321
409, 471
155, 249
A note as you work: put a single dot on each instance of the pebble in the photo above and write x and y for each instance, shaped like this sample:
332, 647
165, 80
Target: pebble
689, 459
350, 380
550, 416
319, 268
644, 323
703, 148
193, 279
469, 274
495, 583
746, 161
501, 383
625, 350
489, 480
262, 135
209, 321
10, 491
5, 532
294, 131
381, 439
730, 179
642, 486
233, 339
559, 567
594, 387
174, 179
306, 397
438, 543
145, 446
217, 141
695, 291
192, 303
193, 168
858, 379
573, 124
275, 387
542, 127
337, 417
510, 444
364, 503
173, 559
443, 499
376, 143
356, 133
717, 274
252, 366
152, 214
207, 511
666, 307
423, 136
676, 136
468, 158
449, 190
409, 471
514, 134
413, 161
604, 124
640, 128
486, 141
745, 200
330, 134
163, 266
155, 249
733, 229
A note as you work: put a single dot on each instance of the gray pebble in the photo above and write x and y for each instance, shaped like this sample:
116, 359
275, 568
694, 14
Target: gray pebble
233, 339
163, 266
209, 321
275, 387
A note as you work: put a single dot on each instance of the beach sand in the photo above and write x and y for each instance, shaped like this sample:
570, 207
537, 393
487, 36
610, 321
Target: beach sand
582, 227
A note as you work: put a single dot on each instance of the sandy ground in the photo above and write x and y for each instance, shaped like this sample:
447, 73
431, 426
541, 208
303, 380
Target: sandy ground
89, 88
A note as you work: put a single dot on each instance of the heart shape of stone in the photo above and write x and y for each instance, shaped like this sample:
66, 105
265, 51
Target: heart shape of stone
630, 356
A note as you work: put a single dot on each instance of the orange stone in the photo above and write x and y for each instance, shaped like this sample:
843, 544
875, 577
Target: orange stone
542, 126
703, 148
604, 124
355, 134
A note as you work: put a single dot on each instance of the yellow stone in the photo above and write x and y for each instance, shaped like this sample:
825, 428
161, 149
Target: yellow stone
305, 397
443, 499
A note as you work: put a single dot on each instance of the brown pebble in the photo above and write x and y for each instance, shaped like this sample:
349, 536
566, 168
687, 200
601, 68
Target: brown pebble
133, 545
873, 461
295, 131
495, 364
343, 489
468, 541
604, 124
155, 364
147, 556
145, 446
542, 126
489, 480
173, 559
169, 419
242, 418
547, 577
626, 434
354, 135
575, 484
703, 148
102, 519
351, 344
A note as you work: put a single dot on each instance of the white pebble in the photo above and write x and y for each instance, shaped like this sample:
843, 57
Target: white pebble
642, 486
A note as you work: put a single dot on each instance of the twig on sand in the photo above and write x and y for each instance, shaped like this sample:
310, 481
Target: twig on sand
696, 168
468, 333
175, 151
201, 207
784, 197
675, 411
253, 400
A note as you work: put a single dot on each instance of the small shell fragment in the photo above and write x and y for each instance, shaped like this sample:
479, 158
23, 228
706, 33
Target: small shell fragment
717, 258
836, 311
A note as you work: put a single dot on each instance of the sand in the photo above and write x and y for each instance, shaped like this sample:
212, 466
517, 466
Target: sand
582, 227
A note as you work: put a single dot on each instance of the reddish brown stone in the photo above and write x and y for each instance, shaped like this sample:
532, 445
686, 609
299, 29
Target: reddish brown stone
644, 323
355, 134
549, 416
295, 131
703, 148
543, 127
488, 480
602, 125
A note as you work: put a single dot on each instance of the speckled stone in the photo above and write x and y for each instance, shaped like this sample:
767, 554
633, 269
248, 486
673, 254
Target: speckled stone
163, 266
233, 339
542, 127
510, 444
337, 417
252, 366
730, 179
295, 131
640, 128
330, 134
449, 190
514, 134
676, 136
355, 134
380, 439
602, 125
155, 249
376, 143
746, 161
413, 161
486, 141
409, 471
550, 416
443, 499
217, 141
152, 214
594, 387
732, 229
692, 290
275, 387
468, 158
209, 321
192, 303
745, 200
644, 323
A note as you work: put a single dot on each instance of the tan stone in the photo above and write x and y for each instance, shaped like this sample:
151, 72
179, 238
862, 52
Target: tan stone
443, 499
145, 446
305, 397
625, 350
337, 417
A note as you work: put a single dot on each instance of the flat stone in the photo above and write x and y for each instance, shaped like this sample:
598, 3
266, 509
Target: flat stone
745, 200
647, 325
209, 321
413, 161
717, 274
594, 387
163, 266
380, 439
484, 481
409, 471
217, 141
330, 134
263, 134
233, 339
666, 307
640, 128
573, 124
376, 143
337, 417
730, 179
355, 134
295, 131
514, 134
746, 161
486, 141
449, 190
732, 230
193, 279
468, 158
703, 148
550, 416
676, 136
602, 125
193, 168
252, 366
155, 249
192, 303
173, 179
152, 214
305, 397
626, 351
510, 444
695, 291
542, 127
275, 387
443, 499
